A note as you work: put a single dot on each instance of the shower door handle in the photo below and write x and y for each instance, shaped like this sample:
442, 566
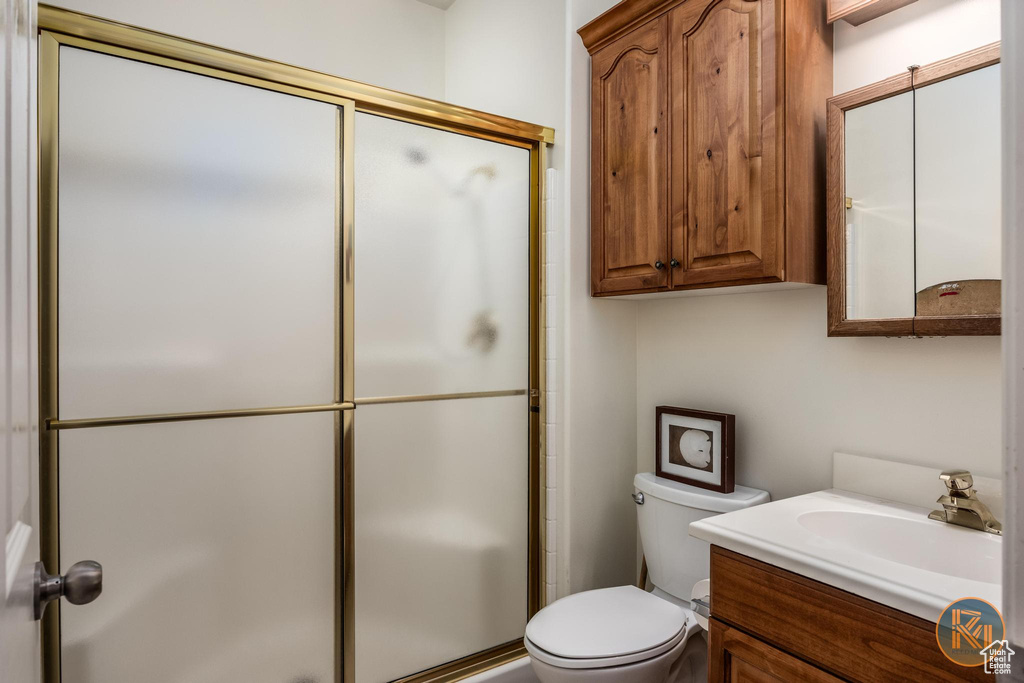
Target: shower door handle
81, 585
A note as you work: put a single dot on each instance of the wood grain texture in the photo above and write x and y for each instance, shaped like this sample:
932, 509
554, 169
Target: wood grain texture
621, 19
735, 657
719, 69
838, 324
963, 63
958, 326
726, 448
744, 162
726, 150
698, 285
808, 85
841, 633
874, 327
856, 12
629, 233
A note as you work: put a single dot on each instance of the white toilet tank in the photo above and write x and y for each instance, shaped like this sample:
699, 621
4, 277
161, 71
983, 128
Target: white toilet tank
676, 560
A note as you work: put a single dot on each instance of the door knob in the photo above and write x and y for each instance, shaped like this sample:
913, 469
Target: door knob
674, 263
82, 584
658, 265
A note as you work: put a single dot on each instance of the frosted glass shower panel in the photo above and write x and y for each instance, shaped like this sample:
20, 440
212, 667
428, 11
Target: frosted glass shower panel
197, 242
217, 545
441, 522
442, 265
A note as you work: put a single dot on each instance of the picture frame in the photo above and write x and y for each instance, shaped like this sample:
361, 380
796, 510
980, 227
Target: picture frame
696, 447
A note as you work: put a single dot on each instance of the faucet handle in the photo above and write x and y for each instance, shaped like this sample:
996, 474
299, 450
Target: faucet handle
957, 480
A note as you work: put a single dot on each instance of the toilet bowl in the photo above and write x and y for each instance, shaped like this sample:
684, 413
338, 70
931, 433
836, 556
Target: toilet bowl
621, 634
628, 635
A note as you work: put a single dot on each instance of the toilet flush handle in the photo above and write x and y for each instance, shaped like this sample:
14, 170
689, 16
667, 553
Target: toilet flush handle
638, 498
702, 606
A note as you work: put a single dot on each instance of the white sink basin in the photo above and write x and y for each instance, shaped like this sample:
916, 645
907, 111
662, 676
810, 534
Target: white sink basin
915, 543
884, 551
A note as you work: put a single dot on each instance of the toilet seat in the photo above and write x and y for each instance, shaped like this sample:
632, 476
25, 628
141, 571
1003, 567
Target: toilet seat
606, 628
542, 655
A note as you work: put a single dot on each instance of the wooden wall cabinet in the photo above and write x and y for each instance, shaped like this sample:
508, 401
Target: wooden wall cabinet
769, 624
708, 143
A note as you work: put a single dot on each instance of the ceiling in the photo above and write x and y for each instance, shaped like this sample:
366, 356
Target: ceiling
443, 4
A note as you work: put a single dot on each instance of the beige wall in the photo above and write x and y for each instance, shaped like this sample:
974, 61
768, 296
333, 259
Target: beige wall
396, 44
1013, 338
799, 395
507, 58
921, 33
600, 387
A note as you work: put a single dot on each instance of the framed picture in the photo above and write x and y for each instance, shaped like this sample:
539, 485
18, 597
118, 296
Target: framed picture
695, 447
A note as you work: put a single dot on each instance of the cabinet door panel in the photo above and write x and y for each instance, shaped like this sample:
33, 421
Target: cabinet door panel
735, 657
629, 231
724, 190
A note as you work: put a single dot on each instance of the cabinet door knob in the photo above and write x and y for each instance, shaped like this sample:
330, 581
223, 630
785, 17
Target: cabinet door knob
658, 265
674, 263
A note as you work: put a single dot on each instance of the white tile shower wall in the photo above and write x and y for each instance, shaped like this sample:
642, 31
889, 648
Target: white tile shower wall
553, 280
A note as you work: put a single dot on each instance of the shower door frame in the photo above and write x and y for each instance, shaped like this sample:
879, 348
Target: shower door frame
59, 27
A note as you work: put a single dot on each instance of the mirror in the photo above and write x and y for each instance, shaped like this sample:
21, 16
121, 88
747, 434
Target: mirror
914, 202
879, 227
958, 199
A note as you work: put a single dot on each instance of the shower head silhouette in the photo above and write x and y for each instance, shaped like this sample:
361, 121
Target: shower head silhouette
416, 155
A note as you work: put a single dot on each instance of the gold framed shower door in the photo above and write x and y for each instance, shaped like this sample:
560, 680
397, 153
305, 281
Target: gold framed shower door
59, 27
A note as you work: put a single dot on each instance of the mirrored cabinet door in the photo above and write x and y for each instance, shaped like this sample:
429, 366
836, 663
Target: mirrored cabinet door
957, 162
914, 202
879, 229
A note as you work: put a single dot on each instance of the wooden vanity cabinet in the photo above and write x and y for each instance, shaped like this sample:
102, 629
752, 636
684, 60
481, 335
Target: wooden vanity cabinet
769, 624
739, 658
707, 143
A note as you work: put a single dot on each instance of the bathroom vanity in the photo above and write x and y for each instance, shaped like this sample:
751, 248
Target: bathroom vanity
834, 586
770, 623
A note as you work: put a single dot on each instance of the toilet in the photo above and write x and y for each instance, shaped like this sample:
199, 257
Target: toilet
628, 635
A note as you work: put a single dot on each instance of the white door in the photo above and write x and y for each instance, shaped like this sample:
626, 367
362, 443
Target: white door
19, 509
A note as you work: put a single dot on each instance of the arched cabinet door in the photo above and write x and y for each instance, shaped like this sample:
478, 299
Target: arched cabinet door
629, 137
727, 220
708, 143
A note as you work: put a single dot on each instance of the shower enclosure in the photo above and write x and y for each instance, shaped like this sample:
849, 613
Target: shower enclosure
290, 368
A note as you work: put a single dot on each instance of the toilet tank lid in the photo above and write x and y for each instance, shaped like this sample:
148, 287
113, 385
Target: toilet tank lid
698, 498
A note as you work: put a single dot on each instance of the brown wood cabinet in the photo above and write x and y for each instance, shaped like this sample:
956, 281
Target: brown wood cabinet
708, 143
769, 624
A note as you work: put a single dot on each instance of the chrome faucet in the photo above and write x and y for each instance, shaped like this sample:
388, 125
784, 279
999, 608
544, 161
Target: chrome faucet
961, 505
